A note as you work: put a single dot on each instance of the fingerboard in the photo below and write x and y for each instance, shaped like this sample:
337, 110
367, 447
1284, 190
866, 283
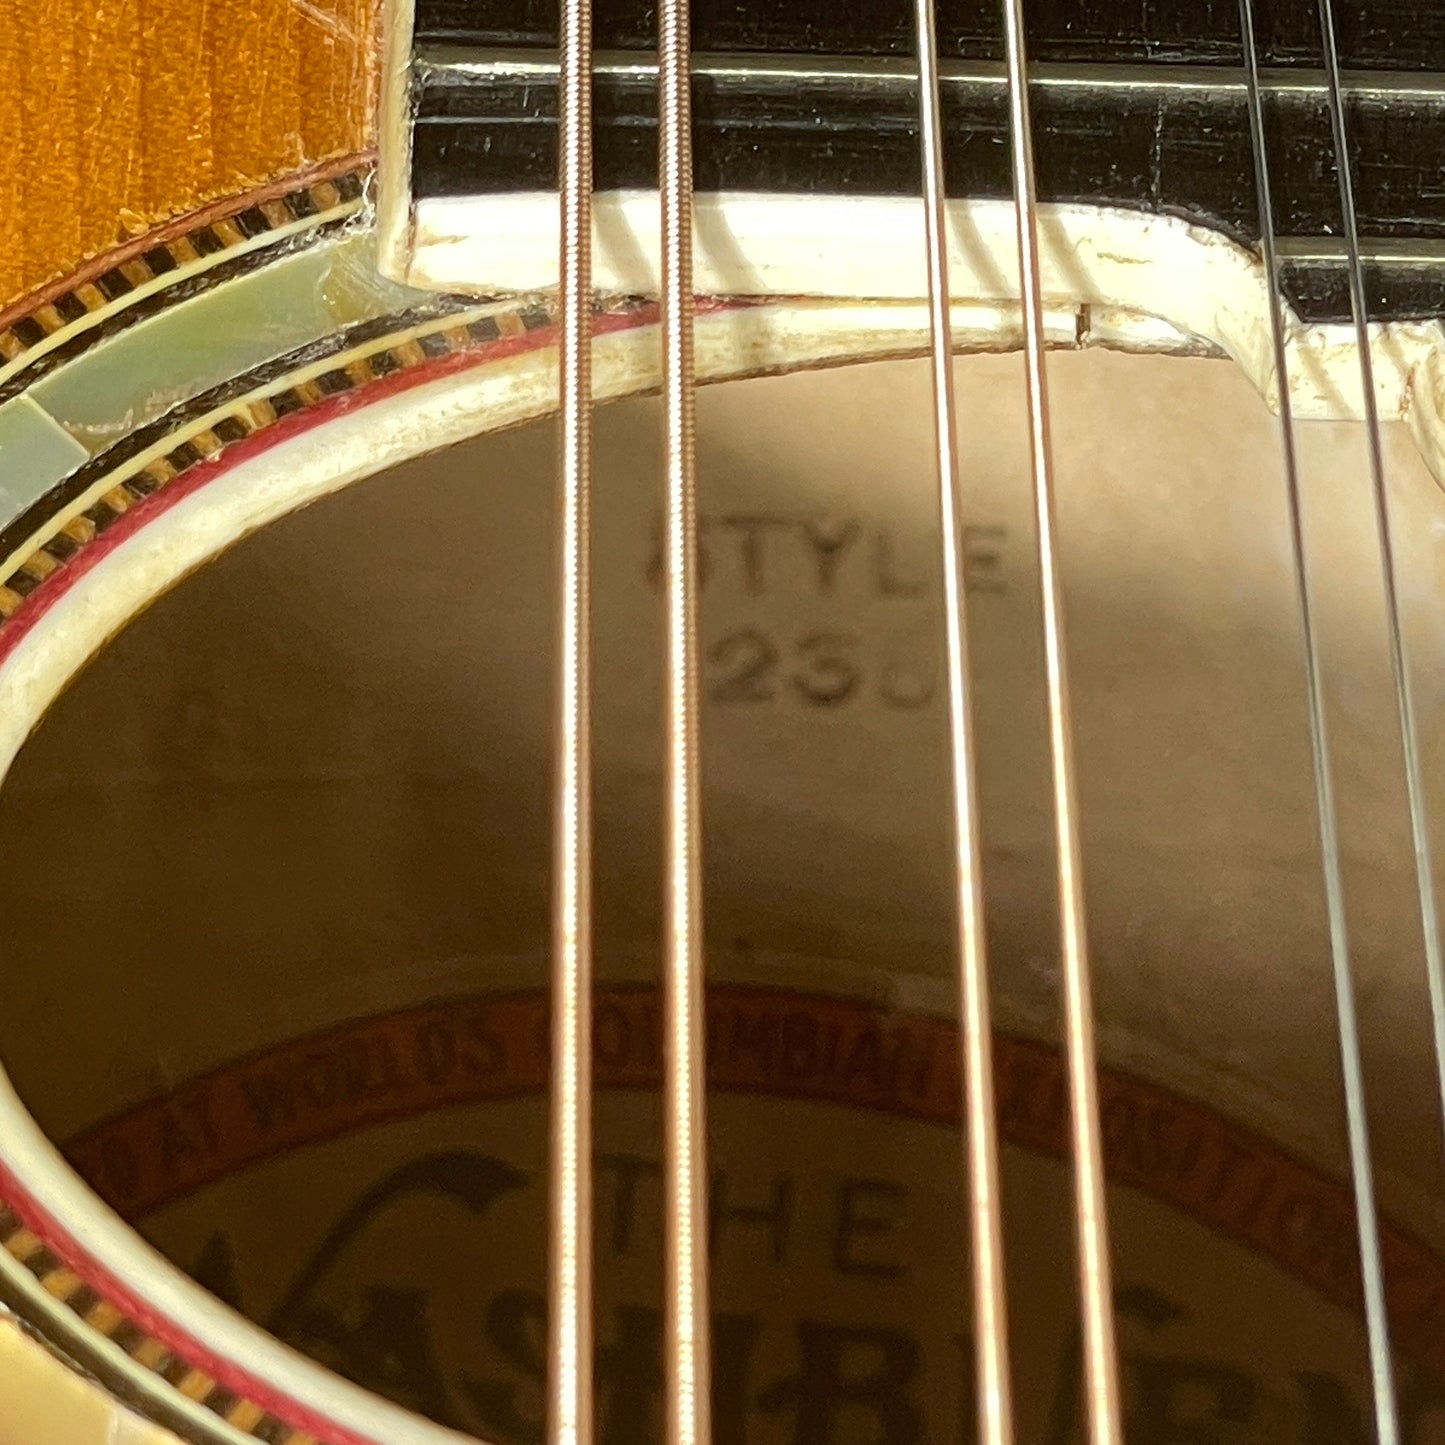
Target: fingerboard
1136, 107
1372, 34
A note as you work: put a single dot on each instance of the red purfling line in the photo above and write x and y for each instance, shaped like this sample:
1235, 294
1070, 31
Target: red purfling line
182, 225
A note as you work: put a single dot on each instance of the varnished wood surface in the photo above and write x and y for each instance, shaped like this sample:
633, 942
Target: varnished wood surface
116, 116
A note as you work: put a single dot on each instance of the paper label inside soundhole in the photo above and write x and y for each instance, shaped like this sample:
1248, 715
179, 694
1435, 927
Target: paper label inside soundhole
410, 1257
327, 799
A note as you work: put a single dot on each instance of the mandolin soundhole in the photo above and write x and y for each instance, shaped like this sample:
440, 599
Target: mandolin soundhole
276, 871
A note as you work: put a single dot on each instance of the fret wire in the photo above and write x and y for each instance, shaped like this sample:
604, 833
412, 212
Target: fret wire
687, 1323
1387, 1423
1101, 1370
981, 1174
570, 1286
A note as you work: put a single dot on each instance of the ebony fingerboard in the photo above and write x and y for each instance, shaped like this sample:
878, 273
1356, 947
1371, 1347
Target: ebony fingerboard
1139, 106
1404, 35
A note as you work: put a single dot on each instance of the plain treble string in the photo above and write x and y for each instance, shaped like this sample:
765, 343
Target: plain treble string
1404, 690
1387, 1428
1387, 1421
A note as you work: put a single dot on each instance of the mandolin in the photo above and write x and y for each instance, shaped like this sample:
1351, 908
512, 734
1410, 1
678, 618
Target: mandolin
838, 843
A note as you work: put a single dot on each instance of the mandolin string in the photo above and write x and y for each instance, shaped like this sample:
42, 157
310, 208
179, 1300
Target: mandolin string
686, 1306
569, 1256
1377, 1325
1100, 1363
1381, 1367
1404, 690
981, 1173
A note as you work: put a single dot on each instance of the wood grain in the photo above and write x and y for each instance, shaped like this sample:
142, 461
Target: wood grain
120, 115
